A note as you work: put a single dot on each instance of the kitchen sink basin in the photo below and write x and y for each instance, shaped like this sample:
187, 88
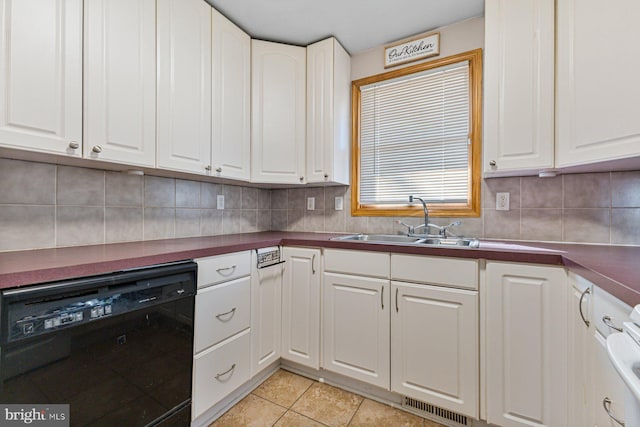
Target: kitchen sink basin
412, 240
381, 238
451, 241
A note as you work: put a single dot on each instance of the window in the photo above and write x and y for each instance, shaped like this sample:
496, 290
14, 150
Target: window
416, 131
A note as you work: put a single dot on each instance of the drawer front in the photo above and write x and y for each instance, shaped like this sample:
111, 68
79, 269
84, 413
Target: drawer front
221, 268
221, 311
359, 263
453, 272
606, 305
220, 370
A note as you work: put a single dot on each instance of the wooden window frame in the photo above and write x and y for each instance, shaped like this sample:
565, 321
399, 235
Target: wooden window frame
470, 209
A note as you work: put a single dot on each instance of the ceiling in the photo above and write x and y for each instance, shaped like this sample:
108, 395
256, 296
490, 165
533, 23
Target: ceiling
358, 24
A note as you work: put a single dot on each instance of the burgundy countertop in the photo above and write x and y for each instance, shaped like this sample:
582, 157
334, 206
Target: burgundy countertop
615, 269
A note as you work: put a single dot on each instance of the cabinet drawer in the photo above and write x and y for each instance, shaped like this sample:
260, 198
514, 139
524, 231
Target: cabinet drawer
220, 268
606, 305
220, 370
361, 263
454, 272
221, 311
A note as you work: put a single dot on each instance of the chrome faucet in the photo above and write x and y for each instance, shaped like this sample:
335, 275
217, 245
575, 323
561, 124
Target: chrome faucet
426, 213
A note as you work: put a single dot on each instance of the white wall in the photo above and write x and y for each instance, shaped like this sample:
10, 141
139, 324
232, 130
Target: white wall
455, 38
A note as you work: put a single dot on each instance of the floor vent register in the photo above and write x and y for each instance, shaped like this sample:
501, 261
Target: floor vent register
443, 416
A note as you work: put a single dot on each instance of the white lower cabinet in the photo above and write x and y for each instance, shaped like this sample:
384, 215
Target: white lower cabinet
434, 345
221, 311
526, 345
301, 306
266, 309
580, 297
219, 370
357, 327
222, 333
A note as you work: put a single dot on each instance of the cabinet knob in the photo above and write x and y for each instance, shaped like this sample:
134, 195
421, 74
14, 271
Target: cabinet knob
74, 145
207, 168
326, 176
301, 178
492, 163
219, 170
97, 149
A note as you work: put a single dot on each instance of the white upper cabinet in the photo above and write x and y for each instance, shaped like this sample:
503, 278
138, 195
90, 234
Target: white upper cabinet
41, 75
231, 109
328, 112
597, 81
120, 81
184, 85
278, 88
519, 86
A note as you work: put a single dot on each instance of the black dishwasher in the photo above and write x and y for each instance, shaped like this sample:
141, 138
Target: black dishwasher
118, 348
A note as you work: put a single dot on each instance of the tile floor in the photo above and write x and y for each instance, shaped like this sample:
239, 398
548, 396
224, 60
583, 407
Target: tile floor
289, 400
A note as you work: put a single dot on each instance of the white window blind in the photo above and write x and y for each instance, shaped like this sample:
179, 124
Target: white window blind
414, 134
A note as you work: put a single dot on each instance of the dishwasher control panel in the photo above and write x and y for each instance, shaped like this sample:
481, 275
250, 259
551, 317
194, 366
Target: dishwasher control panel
51, 308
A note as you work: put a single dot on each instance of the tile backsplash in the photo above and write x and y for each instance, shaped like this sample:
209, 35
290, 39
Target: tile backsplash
585, 208
46, 205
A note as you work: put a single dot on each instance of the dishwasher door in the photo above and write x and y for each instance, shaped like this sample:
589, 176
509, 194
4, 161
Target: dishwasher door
116, 348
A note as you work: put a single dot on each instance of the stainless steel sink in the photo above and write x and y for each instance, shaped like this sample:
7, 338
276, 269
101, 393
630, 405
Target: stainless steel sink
412, 240
381, 238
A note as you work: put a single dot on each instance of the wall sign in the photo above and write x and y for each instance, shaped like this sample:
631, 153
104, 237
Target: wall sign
412, 50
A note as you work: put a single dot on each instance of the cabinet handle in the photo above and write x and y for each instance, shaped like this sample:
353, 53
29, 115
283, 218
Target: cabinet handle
584, 294
222, 374
397, 309
97, 149
218, 170
492, 163
606, 404
207, 168
221, 315
313, 264
607, 321
221, 269
74, 145
382, 298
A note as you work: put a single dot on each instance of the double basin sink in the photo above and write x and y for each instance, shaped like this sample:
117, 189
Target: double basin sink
411, 240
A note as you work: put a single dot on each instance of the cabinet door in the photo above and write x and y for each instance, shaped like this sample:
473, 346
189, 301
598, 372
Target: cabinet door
120, 81
526, 335
356, 327
328, 114
434, 346
184, 85
519, 85
220, 370
231, 109
301, 306
278, 88
41, 75
597, 81
580, 292
266, 318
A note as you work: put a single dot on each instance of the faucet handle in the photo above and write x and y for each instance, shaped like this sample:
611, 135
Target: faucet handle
410, 228
445, 228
